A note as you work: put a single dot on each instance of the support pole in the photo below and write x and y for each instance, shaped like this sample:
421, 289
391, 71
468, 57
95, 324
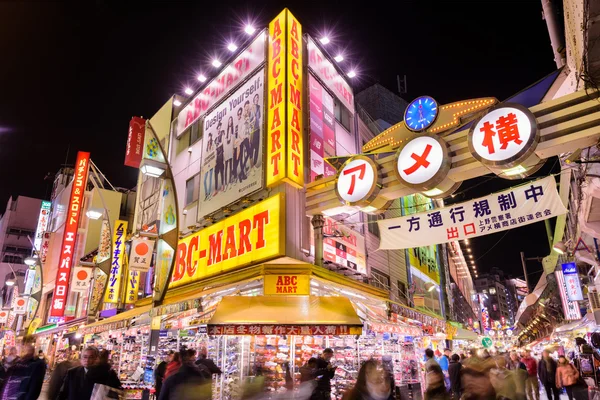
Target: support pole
525, 271
317, 222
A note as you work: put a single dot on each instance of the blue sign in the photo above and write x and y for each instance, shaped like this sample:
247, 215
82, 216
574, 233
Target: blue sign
572, 282
163, 333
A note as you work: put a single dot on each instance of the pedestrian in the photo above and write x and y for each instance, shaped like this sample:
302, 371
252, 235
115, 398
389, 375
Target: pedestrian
532, 387
173, 365
325, 371
188, 383
373, 383
444, 362
430, 359
24, 379
519, 372
42, 357
12, 356
454, 374
547, 374
208, 363
435, 387
58, 375
159, 373
307, 371
79, 382
566, 376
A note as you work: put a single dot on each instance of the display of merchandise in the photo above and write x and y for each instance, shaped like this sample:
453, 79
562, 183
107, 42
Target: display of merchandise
271, 355
347, 362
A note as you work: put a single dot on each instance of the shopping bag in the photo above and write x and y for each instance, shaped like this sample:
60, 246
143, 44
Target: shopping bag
103, 392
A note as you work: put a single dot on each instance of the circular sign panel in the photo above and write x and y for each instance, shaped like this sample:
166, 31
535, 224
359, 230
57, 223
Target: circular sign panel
423, 162
506, 134
358, 181
421, 113
486, 342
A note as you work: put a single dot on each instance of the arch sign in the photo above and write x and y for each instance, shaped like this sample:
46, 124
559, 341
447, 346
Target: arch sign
503, 139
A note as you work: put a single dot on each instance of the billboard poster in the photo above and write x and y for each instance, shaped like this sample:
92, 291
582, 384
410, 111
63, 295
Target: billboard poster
570, 308
232, 157
135, 142
149, 202
572, 281
73, 212
347, 250
45, 246
322, 130
116, 268
141, 254
42, 224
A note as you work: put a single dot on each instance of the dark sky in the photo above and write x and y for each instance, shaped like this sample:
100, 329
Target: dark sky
72, 74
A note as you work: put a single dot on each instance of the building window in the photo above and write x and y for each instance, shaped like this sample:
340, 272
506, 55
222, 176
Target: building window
372, 224
343, 116
402, 292
192, 188
492, 290
12, 259
380, 280
195, 132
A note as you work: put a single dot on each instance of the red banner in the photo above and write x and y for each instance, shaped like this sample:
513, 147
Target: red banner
67, 253
284, 330
135, 142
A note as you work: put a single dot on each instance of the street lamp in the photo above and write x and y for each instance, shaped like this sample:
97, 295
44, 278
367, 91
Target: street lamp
94, 213
31, 262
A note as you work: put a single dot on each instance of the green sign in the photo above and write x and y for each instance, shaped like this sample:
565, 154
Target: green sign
486, 342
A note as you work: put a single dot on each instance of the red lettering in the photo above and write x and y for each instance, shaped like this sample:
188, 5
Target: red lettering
295, 141
180, 262
295, 69
278, 290
295, 97
275, 141
276, 48
276, 29
276, 119
230, 247
245, 227
296, 161
191, 268
276, 69
294, 49
279, 280
287, 280
294, 280
295, 121
294, 30
276, 96
275, 160
260, 220
214, 248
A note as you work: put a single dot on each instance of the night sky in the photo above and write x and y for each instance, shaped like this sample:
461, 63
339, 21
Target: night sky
72, 74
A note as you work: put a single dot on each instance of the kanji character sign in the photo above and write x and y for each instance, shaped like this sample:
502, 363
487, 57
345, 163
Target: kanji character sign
357, 180
503, 134
421, 160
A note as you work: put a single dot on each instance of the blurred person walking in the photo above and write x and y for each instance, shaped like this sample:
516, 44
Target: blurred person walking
373, 383
454, 370
188, 383
566, 376
325, 371
532, 387
435, 385
159, 373
547, 374
173, 365
58, 375
25, 377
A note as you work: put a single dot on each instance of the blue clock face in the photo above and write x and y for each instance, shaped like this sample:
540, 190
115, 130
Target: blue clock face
421, 113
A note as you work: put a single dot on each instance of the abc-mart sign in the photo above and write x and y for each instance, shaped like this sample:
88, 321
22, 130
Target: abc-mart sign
503, 140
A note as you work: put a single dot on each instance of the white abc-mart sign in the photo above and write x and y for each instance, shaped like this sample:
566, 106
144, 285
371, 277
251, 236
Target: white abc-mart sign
423, 162
20, 305
3, 316
506, 134
358, 181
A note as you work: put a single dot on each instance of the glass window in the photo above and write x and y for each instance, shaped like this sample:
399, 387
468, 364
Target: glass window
372, 224
379, 279
195, 132
343, 116
492, 290
192, 188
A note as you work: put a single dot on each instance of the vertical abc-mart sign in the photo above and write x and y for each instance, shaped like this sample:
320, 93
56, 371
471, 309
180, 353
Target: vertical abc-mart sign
504, 140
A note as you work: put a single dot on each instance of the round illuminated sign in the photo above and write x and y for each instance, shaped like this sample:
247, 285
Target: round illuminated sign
358, 181
486, 342
504, 136
423, 162
421, 113
509, 332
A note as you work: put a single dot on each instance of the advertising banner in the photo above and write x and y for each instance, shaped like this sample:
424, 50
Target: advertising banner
42, 224
133, 286
116, 268
104, 244
141, 254
327, 72
312, 330
3, 316
322, 130
533, 202
135, 142
44, 247
571, 275
570, 308
82, 277
20, 306
232, 157
347, 249
61, 290
287, 285
250, 236
240, 68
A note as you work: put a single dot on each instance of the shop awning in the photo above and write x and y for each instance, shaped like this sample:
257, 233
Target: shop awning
285, 315
115, 322
464, 334
589, 317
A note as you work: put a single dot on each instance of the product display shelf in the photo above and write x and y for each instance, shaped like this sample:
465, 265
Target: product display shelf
271, 355
345, 358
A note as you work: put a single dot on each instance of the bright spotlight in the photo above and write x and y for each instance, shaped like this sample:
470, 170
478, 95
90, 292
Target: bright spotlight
176, 103
232, 47
324, 40
249, 29
216, 63
339, 58
351, 74
188, 91
202, 78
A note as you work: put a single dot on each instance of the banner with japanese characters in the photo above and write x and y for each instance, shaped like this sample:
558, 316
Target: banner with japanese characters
141, 254
523, 205
82, 278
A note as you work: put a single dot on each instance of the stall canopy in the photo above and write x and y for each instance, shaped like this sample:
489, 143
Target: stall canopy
115, 322
524, 312
587, 320
285, 315
464, 334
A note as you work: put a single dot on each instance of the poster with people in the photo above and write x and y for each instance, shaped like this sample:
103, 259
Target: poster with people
232, 165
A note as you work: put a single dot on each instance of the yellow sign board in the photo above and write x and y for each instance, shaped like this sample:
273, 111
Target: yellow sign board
284, 99
116, 269
287, 284
251, 236
133, 286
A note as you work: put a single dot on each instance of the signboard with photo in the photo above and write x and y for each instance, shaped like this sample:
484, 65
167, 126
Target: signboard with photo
232, 165
322, 130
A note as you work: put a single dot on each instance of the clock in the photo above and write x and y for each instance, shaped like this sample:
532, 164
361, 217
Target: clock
421, 113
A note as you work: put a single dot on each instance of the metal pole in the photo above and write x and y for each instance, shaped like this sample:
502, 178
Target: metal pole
317, 222
556, 39
525, 270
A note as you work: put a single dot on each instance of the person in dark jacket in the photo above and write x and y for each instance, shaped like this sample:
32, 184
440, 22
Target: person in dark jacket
159, 373
58, 375
454, 372
208, 363
79, 382
307, 371
25, 377
325, 371
547, 374
188, 383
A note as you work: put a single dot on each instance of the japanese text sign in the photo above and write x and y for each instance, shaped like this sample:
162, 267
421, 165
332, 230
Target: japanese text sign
510, 209
504, 135
287, 284
141, 254
20, 306
133, 286
3, 316
423, 162
240, 68
116, 269
570, 308
67, 250
42, 224
285, 158
358, 181
214, 330
82, 277
250, 236
135, 142
572, 281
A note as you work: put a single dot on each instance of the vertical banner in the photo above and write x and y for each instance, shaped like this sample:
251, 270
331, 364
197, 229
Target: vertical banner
133, 286
42, 225
572, 281
285, 93
116, 268
67, 253
135, 142
570, 308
